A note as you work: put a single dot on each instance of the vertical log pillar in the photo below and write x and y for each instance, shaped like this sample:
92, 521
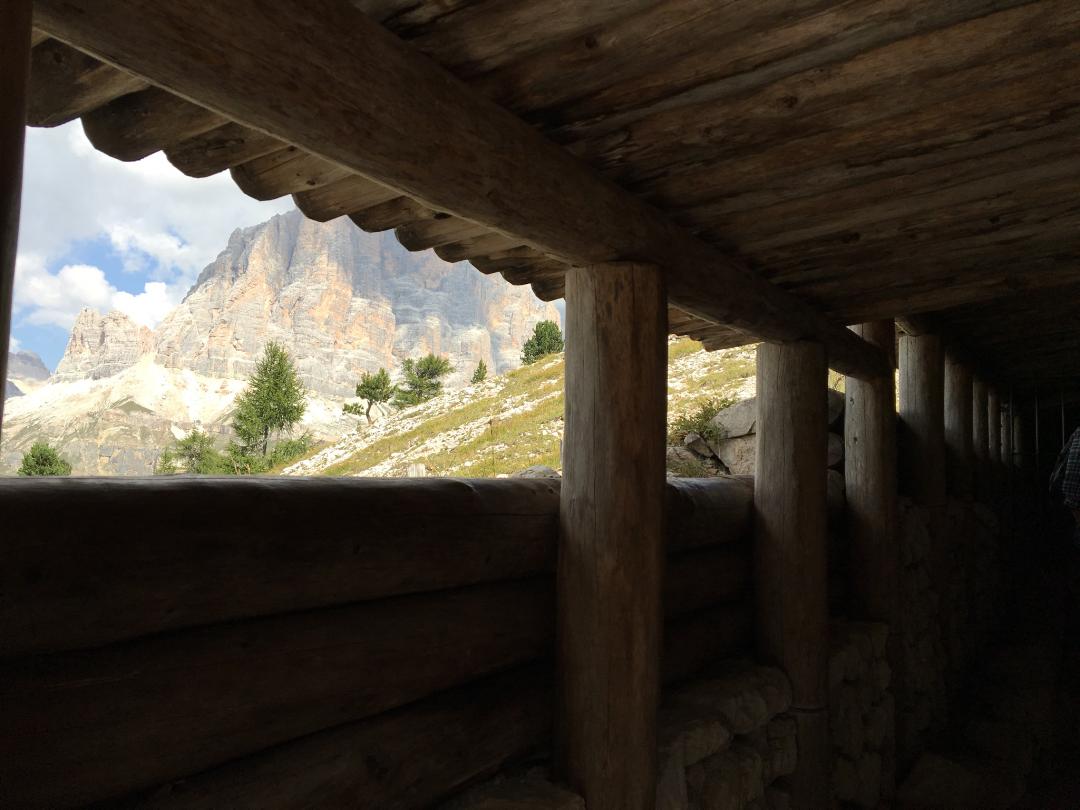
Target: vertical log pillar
870, 487
611, 525
993, 407
790, 548
14, 74
1006, 438
958, 428
870, 483
980, 439
922, 411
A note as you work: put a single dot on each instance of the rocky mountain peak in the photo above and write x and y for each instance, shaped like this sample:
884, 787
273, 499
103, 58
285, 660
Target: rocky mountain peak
102, 345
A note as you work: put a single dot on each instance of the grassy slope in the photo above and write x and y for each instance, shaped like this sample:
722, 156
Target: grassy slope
518, 422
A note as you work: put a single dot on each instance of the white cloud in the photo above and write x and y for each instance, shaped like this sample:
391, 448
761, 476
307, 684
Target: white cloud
43, 298
14, 345
161, 224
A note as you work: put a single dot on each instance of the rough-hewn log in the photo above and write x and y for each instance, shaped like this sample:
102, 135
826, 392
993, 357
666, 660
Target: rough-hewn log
341, 197
790, 553
699, 579
14, 76
922, 409
870, 485
476, 246
391, 214
693, 642
86, 587
702, 514
400, 760
139, 124
447, 147
1006, 437
65, 83
287, 171
90, 725
981, 471
219, 149
958, 423
611, 534
274, 546
993, 406
441, 231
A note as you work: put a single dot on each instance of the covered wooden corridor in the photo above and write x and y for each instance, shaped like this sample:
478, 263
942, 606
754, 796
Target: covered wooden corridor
884, 188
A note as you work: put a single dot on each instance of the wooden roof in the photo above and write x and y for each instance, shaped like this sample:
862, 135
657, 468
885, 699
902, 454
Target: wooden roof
876, 159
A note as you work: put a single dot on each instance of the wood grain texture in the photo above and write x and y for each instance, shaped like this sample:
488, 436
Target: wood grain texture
87, 726
447, 147
65, 84
790, 569
611, 528
136, 125
958, 428
790, 551
219, 149
400, 760
870, 468
15, 19
922, 417
281, 546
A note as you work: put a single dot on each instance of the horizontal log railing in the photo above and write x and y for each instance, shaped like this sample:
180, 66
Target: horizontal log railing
201, 630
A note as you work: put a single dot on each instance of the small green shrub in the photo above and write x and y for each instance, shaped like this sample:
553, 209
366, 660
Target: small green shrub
698, 420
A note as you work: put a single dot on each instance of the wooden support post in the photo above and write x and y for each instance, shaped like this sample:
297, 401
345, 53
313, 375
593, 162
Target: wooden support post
958, 428
870, 483
993, 407
922, 413
14, 74
980, 439
611, 523
1006, 437
790, 549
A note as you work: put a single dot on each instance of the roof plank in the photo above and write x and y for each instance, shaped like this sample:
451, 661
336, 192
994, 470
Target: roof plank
390, 114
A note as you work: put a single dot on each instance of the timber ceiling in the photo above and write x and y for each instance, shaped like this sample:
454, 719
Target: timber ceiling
875, 158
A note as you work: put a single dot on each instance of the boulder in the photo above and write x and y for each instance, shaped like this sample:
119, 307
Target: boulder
835, 453
694, 442
737, 420
739, 454
536, 471
835, 408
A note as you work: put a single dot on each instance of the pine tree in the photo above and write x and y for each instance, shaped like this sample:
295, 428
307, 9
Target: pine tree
372, 388
274, 401
41, 459
546, 339
480, 374
422, 380
195, 453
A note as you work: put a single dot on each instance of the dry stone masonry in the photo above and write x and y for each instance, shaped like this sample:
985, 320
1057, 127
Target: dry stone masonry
861, 713
726, 743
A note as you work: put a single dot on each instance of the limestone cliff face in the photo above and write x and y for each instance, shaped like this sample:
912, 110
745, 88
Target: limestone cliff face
343, 302
102, 345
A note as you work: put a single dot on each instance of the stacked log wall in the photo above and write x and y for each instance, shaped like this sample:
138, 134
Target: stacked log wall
263, 643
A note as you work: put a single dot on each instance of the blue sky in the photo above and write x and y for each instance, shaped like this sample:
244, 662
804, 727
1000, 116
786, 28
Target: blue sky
109, 235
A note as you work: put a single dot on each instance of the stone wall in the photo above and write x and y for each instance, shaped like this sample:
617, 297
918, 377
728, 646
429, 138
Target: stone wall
726, 742
922, 698
861, 711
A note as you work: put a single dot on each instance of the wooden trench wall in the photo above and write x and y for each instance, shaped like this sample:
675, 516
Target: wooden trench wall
206, 643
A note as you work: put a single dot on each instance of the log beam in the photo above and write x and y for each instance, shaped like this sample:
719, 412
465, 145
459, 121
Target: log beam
611, 527
447, 147
790, 560
922, 409
14, 78
958, 428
